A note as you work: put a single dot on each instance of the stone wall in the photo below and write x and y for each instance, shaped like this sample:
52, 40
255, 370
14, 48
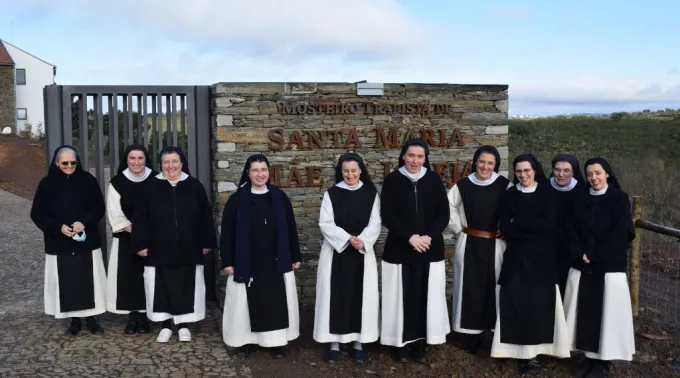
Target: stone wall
7, 98
304, 127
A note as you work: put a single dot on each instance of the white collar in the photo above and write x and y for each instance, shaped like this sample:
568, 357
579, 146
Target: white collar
599, 192
128, 174
413, 177
343, 185
182, 177
570, 186
259, 191
527, 190
476, 181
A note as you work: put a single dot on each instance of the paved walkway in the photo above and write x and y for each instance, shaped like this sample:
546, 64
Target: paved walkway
32, 343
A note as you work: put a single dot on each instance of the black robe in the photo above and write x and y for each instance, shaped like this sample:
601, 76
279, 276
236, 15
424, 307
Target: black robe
480, 203
351, 212
175, 223
130, 295
266, 293
529, 271
565, 201
409, 208
601, 227
63, 199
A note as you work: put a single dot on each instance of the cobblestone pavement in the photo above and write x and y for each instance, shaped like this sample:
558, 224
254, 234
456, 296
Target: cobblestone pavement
32, 344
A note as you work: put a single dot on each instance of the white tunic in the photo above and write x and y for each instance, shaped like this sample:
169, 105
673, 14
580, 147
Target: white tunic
118, 222
456, 223
337, 239
236, 316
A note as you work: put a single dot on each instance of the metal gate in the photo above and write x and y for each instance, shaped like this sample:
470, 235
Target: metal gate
100, 121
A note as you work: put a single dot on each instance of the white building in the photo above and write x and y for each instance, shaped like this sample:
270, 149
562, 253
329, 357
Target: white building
31, 75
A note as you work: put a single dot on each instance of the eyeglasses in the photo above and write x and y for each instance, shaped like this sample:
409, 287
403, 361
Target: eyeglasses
565, 171
263, 170
65, 163
525, 171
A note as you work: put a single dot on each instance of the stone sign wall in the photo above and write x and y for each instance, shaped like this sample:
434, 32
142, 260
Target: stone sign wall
304, 127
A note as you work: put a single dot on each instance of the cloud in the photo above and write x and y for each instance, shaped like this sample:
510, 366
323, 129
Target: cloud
511, 12
285, 26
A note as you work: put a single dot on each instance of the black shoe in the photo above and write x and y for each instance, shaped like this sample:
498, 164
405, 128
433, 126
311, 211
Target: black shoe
331, 356
583, 368
600, 370
93, 326
132, 327
276, 352
144, 325
532, 366
359, 356
418, 352
74, 328
472, 343
400, 354
243, 351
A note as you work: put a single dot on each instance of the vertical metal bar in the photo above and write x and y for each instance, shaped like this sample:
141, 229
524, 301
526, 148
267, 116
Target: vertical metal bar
168, 122
54, 136
140, 128
173, 115
183, 114
145, 121
113, 141
154, 135
84, 132
191, 118
635, 258
99, 140
66, 114
126, 132
159, 119
116, 137
130, 125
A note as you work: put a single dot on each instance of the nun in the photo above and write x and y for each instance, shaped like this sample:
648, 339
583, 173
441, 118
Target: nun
172, 229
67, 208
567, 181
530, 315
415, 211
597, 303
125, 283
473, 204
347, 299
260, 250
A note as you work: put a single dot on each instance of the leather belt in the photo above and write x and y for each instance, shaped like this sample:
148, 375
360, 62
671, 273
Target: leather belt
479, 233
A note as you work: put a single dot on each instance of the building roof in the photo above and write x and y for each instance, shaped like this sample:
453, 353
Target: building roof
20, 49
5, 59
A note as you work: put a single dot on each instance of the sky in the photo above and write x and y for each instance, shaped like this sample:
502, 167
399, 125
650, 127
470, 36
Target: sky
558, 57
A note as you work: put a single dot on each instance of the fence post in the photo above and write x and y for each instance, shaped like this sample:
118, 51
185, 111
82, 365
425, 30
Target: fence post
635, 258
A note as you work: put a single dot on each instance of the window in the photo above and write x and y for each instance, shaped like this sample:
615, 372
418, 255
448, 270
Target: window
21, 114
21, 76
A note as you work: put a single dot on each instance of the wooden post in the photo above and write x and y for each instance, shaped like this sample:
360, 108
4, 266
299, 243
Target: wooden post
635, 258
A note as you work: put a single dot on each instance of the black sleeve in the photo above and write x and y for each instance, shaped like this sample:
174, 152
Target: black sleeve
206, 222
96, 204
227, 232
441, 220
388, 202
507, 227
620, 234
574, 241
141, 219
40, 211
295, 254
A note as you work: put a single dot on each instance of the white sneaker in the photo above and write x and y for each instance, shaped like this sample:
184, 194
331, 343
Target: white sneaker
184, 334
164, 335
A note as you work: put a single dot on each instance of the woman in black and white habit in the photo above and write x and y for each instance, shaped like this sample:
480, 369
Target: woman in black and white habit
125, 283
474, 203
597, 299
67, 208
415, 210
530, 314
172, 229
260, 249
567, 182
347, 299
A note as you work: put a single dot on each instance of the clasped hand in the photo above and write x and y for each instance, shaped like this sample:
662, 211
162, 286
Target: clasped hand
356, 242
75, 228
421, 243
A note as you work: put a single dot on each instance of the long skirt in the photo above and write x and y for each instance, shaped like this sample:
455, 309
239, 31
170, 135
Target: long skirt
617, 334
236, 330
55, 295
425, 307
558, 348
125, 281
176, 293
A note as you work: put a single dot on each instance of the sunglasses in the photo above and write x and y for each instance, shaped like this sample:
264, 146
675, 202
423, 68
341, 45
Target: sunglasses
65, 163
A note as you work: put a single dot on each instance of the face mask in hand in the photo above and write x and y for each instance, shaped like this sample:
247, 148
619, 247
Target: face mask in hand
79, 237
